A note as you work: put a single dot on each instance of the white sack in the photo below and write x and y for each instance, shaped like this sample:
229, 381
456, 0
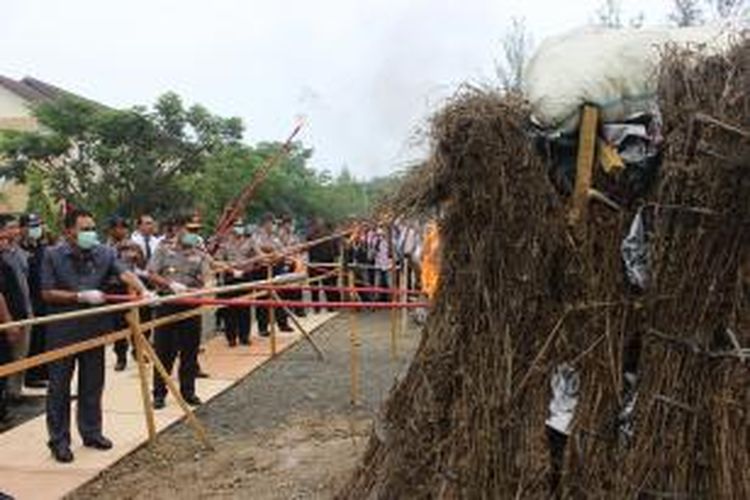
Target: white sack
615, 69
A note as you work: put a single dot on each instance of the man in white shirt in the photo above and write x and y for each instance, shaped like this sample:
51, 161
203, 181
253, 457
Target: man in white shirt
145, 236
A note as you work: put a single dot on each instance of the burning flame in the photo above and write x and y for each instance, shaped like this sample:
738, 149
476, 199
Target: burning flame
431, 260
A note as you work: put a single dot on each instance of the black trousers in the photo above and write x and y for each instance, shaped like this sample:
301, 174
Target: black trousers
262, 313
90, 388
181, 339
236, 319
317, 295
36, 346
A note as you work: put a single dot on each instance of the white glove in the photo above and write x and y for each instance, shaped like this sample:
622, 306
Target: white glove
237, 274
91, 297
177, 288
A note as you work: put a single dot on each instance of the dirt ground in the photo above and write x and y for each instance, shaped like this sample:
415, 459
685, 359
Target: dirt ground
287, 432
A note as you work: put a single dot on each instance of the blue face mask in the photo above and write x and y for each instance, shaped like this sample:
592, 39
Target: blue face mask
190, 239
87, 240
35, 233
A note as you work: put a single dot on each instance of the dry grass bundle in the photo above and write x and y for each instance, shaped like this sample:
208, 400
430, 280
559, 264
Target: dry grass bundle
451, 426
520, 295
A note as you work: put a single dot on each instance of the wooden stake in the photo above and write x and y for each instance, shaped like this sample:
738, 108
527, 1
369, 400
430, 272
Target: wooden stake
394, 321
354, 345
296, 322
272, 319
137, 339
192, 420
585, 163
404, 296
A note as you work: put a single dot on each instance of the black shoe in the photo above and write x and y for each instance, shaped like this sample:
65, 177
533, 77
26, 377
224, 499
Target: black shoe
61, 453
232, 342
264, 334
245, 341
286, 329
98, 443
193, 400
202, 374
36, 384
159, 403
5, 496
121, 364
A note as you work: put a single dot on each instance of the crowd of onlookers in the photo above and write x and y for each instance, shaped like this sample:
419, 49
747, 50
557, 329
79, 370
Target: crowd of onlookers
89, 265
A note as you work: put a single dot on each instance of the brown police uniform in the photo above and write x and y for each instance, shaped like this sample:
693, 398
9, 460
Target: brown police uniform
234, 251
190, 267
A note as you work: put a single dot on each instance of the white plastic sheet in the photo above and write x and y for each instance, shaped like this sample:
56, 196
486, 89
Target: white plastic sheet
615, 69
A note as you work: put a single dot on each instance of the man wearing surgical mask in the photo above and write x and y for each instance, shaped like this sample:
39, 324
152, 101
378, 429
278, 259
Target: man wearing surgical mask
179, 265
74, 273
33, 244
15, 258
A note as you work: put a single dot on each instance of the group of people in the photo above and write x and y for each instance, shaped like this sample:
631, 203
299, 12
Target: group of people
375, 250
40, 276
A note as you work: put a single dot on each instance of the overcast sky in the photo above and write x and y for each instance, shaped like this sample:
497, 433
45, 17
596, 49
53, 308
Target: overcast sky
365, 73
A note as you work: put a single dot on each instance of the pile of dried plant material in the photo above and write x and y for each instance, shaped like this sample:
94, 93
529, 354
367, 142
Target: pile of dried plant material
663, 400
692, 418
453, 425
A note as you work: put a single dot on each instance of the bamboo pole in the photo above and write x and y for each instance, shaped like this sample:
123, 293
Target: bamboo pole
354, 345
394, 326
137, 339
585, 163
110, 338
300, 328
272, 318
192, 420
393, 284
126, 306
404, 295
63, 352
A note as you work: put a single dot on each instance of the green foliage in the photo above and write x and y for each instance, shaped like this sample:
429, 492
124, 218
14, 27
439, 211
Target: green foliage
163, 160
118, 161
291, 187
40, 202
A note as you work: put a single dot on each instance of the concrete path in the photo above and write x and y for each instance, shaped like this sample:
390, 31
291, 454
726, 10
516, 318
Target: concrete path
27, 471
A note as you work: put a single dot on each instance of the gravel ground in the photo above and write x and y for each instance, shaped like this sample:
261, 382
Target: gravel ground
288, 431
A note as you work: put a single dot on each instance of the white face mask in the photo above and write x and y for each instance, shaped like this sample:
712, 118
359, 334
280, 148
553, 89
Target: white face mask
35, 233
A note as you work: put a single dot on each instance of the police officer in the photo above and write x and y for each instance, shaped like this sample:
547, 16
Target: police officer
74, 273
9, 302
177, 266
267, 244
33, 244
16, 259
131, 256
234, 250
292, 262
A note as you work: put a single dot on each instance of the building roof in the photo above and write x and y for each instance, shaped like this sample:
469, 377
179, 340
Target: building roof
22, 90
34, 90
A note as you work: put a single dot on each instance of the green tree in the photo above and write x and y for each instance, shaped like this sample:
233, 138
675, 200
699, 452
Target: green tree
118, 161
40, 202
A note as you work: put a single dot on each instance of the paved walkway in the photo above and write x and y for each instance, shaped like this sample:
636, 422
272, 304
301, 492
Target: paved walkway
27, 471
